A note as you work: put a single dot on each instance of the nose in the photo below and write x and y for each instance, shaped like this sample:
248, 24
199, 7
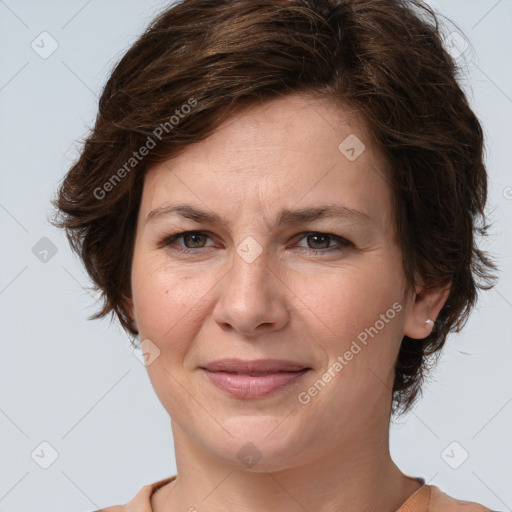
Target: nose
252, 298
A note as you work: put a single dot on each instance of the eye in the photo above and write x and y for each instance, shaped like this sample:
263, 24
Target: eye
192, 241
195, 240
323, 240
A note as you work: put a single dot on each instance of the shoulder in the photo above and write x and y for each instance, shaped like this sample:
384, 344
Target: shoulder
115, 508
142, 500
430, 498
441, 502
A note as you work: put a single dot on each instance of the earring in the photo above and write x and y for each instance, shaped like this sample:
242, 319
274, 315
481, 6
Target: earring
429, 322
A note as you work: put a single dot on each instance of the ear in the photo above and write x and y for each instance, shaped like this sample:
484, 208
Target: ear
425, 304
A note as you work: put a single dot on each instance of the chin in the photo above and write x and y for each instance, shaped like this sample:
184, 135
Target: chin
260, 443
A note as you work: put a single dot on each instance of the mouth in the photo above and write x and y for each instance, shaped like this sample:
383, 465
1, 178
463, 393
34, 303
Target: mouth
253, 379
255, 367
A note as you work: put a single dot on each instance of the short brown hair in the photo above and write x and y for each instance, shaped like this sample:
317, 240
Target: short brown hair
385, 58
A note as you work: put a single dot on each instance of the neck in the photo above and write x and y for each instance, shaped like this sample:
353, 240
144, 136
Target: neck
358, 475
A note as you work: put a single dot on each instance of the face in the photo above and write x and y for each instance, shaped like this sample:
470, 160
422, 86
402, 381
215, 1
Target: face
327, 292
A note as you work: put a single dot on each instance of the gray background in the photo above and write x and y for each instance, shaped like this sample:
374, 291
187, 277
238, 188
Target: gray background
76, 384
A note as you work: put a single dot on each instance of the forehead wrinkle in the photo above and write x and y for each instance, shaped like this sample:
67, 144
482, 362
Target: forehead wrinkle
284, 217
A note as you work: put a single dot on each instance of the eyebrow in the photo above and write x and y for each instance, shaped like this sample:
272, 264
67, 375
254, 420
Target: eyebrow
284, 217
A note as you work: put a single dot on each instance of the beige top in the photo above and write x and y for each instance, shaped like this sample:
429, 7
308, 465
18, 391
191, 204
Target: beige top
427, 498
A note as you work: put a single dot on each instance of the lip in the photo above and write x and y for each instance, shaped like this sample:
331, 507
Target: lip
255, 366
253, 379
251, 386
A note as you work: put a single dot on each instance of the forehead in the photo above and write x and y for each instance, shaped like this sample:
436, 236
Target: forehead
291, 151
296, 123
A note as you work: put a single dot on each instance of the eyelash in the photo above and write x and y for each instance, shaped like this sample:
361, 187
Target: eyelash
343, 243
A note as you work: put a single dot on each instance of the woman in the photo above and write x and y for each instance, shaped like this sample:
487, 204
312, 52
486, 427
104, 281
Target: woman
281, 200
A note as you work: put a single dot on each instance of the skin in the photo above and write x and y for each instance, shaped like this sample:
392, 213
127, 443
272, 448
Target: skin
289, 303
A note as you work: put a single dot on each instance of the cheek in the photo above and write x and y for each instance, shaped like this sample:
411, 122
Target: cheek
164, 310
343, 302
360, 345
161, 296
355, 315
